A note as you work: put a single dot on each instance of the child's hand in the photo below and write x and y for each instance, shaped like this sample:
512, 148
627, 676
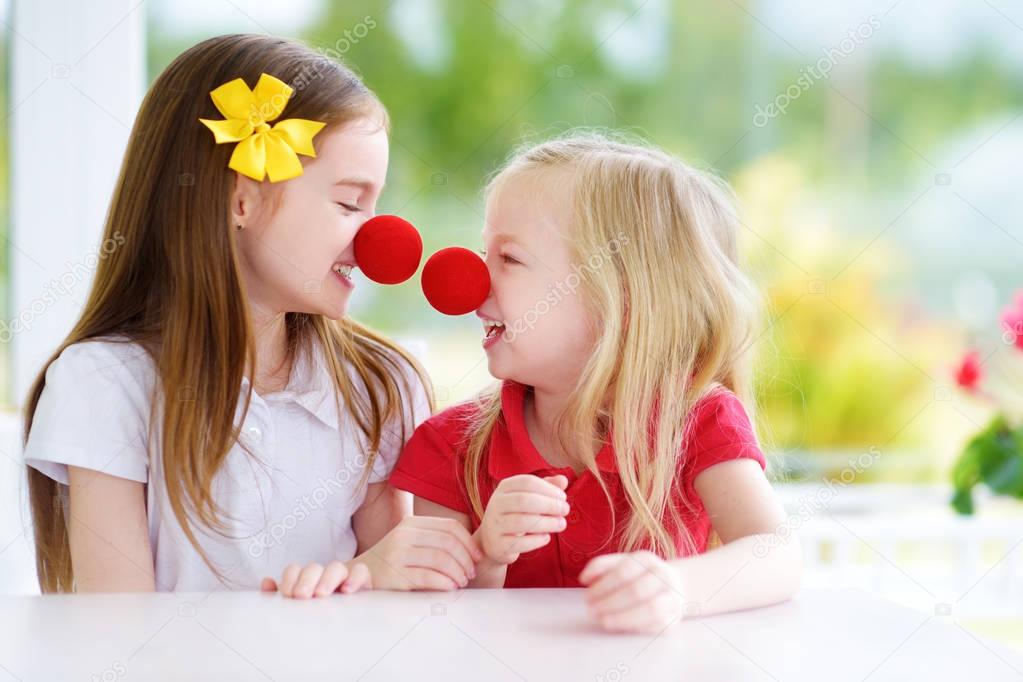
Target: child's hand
633, 592
521, 515
423, 553
316, 580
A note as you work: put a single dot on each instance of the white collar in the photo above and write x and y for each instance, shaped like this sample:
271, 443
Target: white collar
310, 384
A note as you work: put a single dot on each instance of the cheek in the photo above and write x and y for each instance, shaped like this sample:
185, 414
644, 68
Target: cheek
312, 238
518, 295
552, 320
568, 326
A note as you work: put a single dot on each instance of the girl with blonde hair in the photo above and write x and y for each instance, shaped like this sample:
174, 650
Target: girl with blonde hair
620, 323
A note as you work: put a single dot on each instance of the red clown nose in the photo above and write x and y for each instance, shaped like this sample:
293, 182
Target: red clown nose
456, 281
388, 249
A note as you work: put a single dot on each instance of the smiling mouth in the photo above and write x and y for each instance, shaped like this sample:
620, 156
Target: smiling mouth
492, 329
344, 270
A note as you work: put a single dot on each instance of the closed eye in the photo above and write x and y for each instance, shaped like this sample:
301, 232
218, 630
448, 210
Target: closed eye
510, 260
348, 207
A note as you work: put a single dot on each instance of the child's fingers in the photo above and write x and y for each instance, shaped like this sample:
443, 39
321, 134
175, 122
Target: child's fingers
288, 580
359, 578
638, 619
331, 578
527, 543
528, 483
452, 528
268, 585
437, 560
626, 571
533, 503
514, 523
307, 580
426, 579
652, 616
598, 566
450, 544
628, 595
558, 481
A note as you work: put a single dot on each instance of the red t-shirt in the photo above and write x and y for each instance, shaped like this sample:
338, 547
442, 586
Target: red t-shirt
431, 467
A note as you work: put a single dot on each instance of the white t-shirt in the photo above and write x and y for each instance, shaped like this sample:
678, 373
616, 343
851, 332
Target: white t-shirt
292, 502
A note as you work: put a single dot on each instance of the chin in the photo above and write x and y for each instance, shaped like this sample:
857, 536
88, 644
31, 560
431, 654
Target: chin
334, 305
503, 372
495, 369
333, 311
337, 313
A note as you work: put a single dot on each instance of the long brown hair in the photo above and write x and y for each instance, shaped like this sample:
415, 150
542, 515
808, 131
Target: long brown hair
173, 286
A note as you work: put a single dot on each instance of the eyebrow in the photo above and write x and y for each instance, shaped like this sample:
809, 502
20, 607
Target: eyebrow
503, 238
357, 181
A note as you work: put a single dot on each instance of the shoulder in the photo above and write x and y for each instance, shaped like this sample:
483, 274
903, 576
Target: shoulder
94, 411
104, 361
431, 464
454, 425
720, 409
719, 428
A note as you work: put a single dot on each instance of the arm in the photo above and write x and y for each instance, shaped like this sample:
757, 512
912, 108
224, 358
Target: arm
521, 515
746, 515
489, 573
109, 533
756, 566
395, 551
382, 510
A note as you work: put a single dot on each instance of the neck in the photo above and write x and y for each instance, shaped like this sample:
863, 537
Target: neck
542, 409
547, 407
273, 364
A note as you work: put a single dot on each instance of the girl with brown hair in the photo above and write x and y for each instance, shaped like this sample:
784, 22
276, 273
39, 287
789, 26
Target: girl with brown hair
214, 416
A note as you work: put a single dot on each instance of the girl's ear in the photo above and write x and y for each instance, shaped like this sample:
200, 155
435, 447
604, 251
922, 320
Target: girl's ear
245, 200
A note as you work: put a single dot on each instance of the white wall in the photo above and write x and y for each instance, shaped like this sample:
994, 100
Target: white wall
77, 76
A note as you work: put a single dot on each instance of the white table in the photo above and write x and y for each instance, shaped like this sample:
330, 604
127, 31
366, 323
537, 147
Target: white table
477, 635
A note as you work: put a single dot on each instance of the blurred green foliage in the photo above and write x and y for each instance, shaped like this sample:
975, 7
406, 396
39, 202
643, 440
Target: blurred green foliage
994, 457
842, 362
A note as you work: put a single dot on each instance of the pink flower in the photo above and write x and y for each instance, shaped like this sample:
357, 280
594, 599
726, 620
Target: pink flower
969, 372
1012, 321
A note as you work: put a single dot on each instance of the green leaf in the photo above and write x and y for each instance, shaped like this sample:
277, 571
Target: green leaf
994, 457
962, 501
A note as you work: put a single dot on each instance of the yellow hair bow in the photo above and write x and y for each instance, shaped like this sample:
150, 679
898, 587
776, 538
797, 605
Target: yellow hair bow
261, 150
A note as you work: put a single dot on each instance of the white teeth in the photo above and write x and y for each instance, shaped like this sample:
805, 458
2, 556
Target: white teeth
492, 327
344, 270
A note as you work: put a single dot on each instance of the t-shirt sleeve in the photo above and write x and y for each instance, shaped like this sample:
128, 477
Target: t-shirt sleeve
721, 431
415, 410
430, 468
93, 413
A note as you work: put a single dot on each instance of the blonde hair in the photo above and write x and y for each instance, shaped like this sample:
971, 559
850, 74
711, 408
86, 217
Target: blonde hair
673, 316
174, 286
